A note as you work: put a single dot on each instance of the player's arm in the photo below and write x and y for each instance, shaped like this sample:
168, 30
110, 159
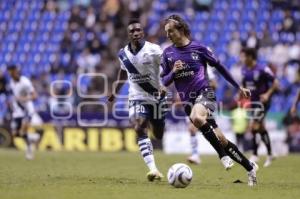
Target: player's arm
268, 75
295, 103
212, 61
167, 75
122, 76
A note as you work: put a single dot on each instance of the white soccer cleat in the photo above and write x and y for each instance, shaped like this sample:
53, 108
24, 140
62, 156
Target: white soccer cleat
268, 161
227, 162
254, 158
194, 159
252, 181
154, 175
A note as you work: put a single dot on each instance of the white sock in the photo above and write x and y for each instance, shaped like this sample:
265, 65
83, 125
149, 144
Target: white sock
33, 137
194, 145
146, 150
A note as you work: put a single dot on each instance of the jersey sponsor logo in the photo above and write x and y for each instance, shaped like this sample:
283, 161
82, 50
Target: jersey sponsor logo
184, 74
139, 78
146, 86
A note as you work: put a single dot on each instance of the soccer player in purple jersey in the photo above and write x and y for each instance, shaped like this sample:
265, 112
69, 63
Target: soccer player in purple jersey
262, 83
185, 63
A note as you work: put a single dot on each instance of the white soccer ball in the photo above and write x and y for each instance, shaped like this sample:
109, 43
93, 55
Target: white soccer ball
180, 175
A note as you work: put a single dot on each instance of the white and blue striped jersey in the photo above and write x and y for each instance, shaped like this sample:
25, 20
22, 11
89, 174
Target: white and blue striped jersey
143, 70
22, 88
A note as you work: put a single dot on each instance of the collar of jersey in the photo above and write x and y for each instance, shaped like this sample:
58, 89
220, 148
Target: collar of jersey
183, 46
137, 50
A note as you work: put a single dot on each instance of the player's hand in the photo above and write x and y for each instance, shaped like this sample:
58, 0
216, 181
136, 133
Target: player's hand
245, 92
264, 97
178, 65
111, 98
162, 92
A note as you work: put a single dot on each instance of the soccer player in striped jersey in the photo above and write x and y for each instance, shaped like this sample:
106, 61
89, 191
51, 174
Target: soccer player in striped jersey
23, 94
140, 64
185, 63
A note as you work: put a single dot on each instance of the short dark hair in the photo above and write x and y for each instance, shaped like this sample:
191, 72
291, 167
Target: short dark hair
12, 67
250, 52
133, 20
180, 24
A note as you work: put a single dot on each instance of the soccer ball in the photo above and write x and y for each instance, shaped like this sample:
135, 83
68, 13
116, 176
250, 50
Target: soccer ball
180, 175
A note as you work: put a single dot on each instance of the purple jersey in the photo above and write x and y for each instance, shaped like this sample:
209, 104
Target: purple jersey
193, 78
258, 80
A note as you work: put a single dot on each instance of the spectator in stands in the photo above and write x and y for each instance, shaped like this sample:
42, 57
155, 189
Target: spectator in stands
75, 20
50, 6
266, 40
66, 43
288, 24
252, 40
87, 61
235, 45
90, 18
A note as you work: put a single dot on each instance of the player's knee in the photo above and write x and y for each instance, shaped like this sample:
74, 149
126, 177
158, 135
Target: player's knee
198, 121
140, 129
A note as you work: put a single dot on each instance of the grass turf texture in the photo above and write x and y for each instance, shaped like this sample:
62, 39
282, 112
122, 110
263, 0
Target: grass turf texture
63, 175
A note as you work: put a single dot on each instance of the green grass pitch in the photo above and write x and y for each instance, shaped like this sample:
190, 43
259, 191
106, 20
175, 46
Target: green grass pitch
64, 175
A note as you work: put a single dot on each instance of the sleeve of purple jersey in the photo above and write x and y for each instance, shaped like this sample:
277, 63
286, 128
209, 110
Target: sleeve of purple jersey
213, 61
268, 74
167, 75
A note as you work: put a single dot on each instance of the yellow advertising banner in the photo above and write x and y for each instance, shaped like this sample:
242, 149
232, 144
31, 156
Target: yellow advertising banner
82, 139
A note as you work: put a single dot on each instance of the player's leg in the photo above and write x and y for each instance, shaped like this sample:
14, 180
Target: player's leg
157, 119
240, 140
266, 140
30, 138
139, 115
19, 128
234, 153
198, 116
194, 158
254, 130
158, 127
15, 126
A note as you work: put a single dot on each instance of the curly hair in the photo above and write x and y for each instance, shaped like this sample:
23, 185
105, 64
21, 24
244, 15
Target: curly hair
180, 24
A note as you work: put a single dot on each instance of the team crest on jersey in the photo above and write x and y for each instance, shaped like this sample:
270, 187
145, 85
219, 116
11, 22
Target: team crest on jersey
146, 58
194, 56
